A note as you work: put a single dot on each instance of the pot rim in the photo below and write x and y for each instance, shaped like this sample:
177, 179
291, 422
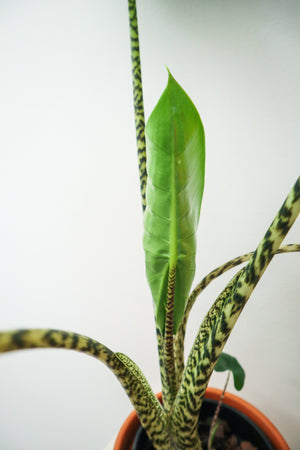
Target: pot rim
130, 426
254, 414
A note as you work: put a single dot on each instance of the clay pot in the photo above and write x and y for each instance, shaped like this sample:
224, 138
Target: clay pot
266, 433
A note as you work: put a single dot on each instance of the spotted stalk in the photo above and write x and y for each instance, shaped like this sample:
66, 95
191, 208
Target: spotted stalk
169, 361
138, 98
219, 322
180, 335
148, 408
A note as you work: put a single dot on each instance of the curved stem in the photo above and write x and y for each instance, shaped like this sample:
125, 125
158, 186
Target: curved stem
179, 338
202, 359
47, 338
147, 406
221, 318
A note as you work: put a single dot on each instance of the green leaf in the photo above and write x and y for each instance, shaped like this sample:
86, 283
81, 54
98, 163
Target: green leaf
227, 362
175, 164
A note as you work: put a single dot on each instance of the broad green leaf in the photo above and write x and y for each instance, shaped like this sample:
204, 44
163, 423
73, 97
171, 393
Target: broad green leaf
227, 362
175, 164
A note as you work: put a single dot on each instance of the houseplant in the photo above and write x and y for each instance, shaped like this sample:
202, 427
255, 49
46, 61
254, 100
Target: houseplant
18, 339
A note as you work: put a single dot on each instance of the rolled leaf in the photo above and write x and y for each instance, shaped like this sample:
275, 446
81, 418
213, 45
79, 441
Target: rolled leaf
175, 165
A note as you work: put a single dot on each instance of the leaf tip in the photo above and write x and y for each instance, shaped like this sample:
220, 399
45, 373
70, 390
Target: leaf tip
170, 76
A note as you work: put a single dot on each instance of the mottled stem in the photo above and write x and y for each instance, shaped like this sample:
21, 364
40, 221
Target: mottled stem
138, 98
169, 342
220, 320
180, 335
148, 408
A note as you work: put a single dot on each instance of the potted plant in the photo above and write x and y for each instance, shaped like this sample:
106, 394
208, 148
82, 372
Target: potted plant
171, 189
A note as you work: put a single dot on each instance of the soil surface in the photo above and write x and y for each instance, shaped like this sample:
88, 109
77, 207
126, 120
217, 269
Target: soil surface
224, 438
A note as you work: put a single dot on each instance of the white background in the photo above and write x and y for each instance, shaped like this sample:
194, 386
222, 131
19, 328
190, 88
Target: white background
70, 216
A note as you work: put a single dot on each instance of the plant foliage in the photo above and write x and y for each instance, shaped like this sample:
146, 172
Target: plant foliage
174, 150
175, 166
228, 362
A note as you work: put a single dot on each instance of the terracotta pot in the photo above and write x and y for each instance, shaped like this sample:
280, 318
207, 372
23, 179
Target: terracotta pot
128, 430
131, 425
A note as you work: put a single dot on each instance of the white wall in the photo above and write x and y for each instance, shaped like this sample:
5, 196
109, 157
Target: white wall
71, 223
